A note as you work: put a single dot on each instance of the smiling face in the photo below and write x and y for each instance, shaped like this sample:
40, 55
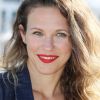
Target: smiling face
47, 40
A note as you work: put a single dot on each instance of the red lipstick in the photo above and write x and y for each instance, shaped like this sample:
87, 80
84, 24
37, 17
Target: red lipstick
47, 58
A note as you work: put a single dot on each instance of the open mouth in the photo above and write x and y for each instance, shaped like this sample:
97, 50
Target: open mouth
47, 58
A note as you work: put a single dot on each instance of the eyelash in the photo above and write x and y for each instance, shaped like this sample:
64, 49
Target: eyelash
60, 34
37, 33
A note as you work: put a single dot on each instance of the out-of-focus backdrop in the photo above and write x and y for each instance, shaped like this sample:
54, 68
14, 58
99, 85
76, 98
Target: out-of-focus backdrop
8, 10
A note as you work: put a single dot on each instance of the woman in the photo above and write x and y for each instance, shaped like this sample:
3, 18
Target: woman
51, 55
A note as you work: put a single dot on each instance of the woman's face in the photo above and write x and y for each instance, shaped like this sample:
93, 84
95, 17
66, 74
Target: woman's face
47, 40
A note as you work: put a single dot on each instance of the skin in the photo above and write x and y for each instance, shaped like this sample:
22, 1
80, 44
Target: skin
47, 33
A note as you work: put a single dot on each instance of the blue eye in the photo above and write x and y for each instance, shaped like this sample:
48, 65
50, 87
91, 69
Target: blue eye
37, 33
61, 34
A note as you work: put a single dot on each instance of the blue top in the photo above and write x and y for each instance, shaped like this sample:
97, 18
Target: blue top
23, 91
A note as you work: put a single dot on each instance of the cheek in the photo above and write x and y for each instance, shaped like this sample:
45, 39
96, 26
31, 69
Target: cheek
33, 44
65, 46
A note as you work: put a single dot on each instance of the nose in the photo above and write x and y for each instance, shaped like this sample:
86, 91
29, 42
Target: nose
48, 43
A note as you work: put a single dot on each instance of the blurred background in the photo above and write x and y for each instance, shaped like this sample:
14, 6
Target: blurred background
8, 10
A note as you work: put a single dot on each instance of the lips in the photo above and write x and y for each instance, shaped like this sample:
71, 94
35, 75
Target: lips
47, 58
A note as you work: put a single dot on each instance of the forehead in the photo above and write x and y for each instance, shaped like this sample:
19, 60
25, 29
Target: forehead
46, 16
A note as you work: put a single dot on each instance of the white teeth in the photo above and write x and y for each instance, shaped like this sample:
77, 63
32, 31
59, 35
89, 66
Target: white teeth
48, 57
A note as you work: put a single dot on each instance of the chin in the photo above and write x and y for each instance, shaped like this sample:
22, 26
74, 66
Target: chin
49, 70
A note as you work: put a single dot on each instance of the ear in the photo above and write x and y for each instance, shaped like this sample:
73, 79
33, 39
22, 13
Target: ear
22, 33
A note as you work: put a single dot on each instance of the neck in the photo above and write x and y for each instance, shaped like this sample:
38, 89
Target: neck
48, 85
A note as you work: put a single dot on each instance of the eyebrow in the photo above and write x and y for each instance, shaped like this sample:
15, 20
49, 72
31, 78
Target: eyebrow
62, 30
56, 30
37, 29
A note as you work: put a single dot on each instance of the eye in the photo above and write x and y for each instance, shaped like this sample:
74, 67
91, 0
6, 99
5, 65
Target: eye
37, 33
62, 34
